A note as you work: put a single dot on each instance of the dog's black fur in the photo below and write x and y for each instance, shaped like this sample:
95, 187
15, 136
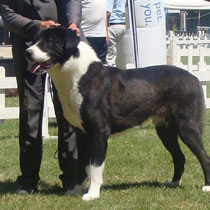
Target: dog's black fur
114, 100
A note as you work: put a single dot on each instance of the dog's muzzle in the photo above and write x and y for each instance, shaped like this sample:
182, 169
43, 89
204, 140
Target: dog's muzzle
39, 67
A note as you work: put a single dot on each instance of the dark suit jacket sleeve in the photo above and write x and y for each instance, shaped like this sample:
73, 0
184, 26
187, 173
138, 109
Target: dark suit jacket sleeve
16, 23
73, 11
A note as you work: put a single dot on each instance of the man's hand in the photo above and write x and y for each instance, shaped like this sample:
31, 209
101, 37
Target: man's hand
74, 27
48, 23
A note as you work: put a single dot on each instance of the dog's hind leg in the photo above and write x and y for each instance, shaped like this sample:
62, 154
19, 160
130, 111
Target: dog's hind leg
190, 132
98, 153
169, 137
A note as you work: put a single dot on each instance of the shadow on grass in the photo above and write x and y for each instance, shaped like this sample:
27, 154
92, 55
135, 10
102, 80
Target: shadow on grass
48, 189
9, 186
153, 184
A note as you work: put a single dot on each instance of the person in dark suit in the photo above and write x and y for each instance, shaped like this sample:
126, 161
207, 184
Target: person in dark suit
24, 19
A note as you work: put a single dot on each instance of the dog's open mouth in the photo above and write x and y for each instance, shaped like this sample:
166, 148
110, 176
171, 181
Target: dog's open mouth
41, 67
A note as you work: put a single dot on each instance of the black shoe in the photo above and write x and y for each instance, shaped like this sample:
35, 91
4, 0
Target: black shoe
26, 189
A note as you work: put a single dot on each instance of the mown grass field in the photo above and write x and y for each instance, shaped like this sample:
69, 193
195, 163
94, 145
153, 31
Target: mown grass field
137, 165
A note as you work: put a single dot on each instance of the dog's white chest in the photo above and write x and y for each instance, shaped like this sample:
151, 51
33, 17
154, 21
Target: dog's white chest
71, 107
70, 98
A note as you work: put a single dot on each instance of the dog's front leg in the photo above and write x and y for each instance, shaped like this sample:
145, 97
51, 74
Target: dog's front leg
99, 147
96, 180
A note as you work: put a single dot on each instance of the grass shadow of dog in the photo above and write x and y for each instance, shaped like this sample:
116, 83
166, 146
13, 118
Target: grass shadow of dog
124, 186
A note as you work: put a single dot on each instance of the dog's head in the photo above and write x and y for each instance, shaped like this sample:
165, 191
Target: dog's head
53, 45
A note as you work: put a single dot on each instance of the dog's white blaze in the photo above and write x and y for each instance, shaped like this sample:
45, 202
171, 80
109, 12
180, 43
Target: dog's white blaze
66, 81
38, 54
96, 180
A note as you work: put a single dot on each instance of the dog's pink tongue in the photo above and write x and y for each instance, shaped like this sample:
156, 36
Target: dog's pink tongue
35, 67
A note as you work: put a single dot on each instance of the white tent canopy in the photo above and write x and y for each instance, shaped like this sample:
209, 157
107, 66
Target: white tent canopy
187, 4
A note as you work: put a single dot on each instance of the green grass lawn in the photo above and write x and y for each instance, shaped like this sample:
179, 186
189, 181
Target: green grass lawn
137, 165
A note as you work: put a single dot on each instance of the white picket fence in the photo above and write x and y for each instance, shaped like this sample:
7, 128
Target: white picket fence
13, 112
179, 48
191, 52
189, 47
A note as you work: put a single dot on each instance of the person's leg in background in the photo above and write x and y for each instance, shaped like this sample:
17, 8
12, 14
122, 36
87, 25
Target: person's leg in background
99, 44
116, 32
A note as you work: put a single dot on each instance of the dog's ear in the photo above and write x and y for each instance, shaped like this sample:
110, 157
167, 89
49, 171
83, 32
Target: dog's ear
71, 42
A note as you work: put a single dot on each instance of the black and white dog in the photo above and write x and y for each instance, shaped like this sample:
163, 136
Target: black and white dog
102, 101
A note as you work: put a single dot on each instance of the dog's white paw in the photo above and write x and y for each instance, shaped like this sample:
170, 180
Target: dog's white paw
206, 188
173, 184
89, 197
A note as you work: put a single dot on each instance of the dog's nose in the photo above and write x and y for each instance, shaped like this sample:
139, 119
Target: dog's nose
28, 54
